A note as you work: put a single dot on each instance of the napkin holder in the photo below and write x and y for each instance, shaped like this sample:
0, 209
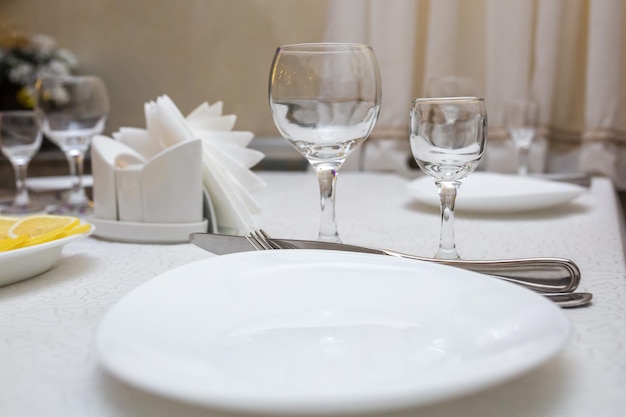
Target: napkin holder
158, 200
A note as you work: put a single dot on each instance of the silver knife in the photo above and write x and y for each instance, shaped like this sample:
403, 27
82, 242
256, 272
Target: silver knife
548, 275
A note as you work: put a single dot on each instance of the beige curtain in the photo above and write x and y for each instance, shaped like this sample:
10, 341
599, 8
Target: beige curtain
568, 55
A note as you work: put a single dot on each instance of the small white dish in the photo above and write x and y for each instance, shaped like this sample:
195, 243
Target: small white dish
324, 332
20, 264
54, 183
484, 192
132, 232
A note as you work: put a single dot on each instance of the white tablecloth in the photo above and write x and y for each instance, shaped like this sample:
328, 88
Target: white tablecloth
48, 365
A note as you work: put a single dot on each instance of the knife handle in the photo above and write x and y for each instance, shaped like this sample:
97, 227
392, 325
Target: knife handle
541, 274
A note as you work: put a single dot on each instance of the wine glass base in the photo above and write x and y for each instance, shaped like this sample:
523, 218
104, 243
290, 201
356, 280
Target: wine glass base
77, 210
19, 210
448, 254
332, 238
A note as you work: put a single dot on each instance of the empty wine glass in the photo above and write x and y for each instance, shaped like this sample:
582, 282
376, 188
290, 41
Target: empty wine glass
70, 110
325, 100
448, 137
20, 140
521, 118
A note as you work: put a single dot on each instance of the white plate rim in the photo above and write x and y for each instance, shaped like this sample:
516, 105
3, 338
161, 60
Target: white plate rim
389, 401
550, 194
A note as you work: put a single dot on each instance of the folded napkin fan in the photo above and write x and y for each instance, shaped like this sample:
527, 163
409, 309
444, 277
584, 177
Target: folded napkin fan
225, 158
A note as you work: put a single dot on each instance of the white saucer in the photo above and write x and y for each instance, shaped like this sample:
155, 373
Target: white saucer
322, 332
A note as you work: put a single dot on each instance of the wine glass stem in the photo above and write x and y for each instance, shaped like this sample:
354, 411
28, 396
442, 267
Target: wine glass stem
76, 194
327, 178
447, 195
21, 195
522, 155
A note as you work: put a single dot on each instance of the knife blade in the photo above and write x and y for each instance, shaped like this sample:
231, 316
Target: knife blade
550, 275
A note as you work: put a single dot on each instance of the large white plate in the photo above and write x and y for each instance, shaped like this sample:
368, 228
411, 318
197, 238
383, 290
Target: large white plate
492, 193
313, 332
20, 264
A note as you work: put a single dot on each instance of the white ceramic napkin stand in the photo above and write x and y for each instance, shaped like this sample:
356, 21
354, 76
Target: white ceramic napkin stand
159, 200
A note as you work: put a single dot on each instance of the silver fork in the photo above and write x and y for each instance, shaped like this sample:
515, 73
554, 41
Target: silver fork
260, 240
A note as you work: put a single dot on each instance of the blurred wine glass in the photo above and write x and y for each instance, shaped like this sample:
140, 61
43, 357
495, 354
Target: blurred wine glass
20, 140
521, 119
325, 100
70, 110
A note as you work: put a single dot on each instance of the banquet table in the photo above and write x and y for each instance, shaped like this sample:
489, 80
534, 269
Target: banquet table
49, 367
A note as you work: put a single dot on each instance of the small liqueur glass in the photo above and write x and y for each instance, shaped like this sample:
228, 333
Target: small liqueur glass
448, 138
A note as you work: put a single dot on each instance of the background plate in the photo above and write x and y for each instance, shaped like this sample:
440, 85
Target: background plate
312, 332
55, 183
493, 193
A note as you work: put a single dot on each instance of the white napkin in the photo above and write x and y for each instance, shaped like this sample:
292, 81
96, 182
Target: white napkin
226, 160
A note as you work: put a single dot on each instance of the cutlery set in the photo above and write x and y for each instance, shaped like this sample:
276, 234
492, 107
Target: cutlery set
555, 278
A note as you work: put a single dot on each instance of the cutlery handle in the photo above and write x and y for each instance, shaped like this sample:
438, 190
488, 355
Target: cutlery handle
553, 275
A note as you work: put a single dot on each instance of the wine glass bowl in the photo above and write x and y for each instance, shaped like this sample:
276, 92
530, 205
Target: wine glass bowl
448, 139
20, 139
70, 110
325, 100
521, 119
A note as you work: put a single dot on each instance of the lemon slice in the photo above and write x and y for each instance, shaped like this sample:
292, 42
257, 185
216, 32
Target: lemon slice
8, 243
42, 225
5, 225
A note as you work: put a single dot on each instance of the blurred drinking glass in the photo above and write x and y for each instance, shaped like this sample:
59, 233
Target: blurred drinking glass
70, 110
521, 119
20, 140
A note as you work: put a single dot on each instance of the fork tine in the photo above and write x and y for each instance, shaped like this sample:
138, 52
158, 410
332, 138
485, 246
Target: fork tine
262, 235
261, 240
276, 244
251, 240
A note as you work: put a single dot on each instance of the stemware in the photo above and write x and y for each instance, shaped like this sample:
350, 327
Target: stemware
325, 100
20, 140
448, 137
70, 110
521, 118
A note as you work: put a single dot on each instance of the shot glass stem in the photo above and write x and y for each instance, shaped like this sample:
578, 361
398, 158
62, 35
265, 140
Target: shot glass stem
327, 178
447, 196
